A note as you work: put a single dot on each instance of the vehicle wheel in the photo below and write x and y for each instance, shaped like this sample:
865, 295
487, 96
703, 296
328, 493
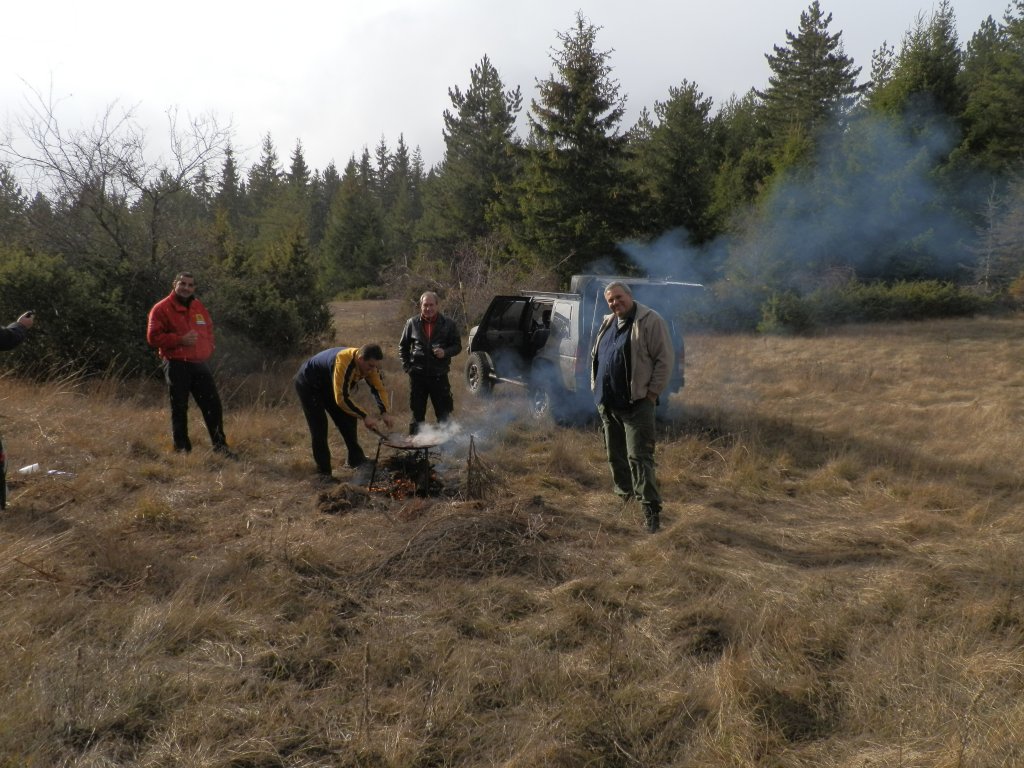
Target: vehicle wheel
546, 395
479, 372
540, 401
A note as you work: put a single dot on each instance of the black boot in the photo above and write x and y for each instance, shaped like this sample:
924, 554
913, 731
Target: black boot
223, 450
652, 516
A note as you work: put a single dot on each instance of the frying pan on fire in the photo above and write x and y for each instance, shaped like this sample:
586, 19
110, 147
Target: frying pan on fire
420, 444
411, 442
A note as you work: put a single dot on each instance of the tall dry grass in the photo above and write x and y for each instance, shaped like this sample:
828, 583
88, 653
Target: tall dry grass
837, 583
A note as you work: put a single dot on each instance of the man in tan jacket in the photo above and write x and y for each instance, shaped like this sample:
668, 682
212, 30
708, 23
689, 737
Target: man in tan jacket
630, 366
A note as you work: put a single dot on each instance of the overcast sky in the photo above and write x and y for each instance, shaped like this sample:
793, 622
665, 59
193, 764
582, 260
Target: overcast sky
339, 76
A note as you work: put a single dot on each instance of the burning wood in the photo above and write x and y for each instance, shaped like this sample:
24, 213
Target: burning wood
405, 475
396, 487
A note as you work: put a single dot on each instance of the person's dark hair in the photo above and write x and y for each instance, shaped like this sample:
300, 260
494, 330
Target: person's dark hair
189, 275
371, 352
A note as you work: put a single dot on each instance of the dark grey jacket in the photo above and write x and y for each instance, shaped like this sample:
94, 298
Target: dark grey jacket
12, 336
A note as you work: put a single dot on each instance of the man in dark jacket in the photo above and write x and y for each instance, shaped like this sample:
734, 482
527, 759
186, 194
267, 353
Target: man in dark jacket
429, 342
10, 337
181, 330
630, 366
15, 333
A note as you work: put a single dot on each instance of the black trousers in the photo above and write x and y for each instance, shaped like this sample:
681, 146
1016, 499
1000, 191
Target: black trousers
195, 379
436, 389
317, 405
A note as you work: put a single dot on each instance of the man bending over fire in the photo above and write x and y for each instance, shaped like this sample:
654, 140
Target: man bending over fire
325, 384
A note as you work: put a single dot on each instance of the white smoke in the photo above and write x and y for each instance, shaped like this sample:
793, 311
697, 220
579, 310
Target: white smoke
435, 434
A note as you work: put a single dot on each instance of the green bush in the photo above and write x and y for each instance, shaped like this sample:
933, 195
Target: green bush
854, 302
785, 313
251, 312
94, 322
85, 322
903, 300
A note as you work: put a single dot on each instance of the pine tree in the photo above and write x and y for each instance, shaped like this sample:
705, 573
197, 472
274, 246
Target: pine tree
383, 160
577, 194
401, 191
265, 178
642, 164
13, 206
289, 268
230, 193
742, 146
681, 162
368, 174
298, 172
202, 189
323, 187
813, 86
352, 250
418, 166
924, 77
993, 80
392, 173
883, 66
474, 188
1001, 240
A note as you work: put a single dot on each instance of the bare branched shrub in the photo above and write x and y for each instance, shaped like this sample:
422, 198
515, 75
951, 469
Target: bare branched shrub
467, 279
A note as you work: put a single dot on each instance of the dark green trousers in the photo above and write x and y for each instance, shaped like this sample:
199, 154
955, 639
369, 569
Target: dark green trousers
629, 441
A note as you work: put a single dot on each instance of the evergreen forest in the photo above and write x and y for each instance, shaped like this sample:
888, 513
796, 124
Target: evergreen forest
838, 191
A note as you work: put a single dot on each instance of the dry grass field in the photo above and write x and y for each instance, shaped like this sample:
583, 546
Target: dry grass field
838, 581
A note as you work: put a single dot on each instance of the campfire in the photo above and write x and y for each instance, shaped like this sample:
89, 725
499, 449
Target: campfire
408, 470
406, 474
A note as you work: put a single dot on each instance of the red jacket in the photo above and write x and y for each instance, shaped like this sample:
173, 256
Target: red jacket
169, 320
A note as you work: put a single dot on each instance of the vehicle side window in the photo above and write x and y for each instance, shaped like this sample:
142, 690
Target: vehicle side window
511, 317
506, 317
561, 319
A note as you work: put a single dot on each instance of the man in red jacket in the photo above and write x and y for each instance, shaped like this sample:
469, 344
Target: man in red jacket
181, 331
